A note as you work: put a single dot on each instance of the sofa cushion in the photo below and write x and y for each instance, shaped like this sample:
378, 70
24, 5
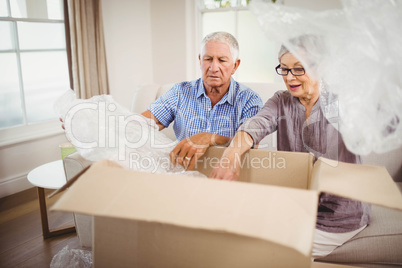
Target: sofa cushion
392, 160
143, 96
380, 242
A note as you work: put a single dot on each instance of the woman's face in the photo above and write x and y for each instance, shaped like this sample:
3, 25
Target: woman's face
298, 86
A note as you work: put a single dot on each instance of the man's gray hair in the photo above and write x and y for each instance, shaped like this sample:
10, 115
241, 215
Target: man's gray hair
311, 44
223, 37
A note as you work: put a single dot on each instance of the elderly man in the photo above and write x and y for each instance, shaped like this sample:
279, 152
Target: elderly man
209, 110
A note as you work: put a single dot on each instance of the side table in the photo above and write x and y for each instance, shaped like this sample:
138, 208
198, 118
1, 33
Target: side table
49, 176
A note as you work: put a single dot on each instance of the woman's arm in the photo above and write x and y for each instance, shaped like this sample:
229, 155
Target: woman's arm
265, 121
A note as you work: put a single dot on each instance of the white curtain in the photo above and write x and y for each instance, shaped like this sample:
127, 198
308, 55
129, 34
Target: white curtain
88, 57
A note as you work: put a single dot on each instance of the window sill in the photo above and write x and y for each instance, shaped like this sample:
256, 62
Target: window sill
15, 135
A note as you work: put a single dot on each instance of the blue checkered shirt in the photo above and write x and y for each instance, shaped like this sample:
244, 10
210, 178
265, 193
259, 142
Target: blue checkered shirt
190, 108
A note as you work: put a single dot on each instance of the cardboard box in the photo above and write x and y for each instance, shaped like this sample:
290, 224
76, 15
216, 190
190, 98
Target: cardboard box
157, 220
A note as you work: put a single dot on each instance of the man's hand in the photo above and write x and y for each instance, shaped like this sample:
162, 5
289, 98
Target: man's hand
189, 150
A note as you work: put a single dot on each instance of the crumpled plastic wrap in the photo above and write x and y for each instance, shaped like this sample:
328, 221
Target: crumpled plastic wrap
360, 62
72, 258
100, 128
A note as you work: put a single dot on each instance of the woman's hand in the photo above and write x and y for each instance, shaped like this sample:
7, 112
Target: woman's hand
228, 168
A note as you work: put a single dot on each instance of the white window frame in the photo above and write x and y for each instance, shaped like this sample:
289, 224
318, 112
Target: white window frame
201, 10
224, 9
27, 131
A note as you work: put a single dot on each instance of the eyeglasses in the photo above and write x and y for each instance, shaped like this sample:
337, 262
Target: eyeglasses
285, 71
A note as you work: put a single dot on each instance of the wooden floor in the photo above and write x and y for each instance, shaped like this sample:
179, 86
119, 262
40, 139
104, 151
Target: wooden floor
21, 241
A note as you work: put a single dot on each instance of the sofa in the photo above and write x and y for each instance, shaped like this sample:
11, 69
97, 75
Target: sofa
379, 245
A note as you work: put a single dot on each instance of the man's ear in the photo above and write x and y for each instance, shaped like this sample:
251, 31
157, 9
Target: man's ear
199, 58
236, 65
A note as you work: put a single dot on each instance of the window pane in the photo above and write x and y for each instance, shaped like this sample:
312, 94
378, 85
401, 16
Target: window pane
5, 33
45, 77
55, 9
3, 8
34, 35
244, 3
218, 21
212, 4
38, 9
258, 54
10, 101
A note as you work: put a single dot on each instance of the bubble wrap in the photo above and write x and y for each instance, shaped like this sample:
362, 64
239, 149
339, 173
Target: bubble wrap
72, 258
100, 128
360, 63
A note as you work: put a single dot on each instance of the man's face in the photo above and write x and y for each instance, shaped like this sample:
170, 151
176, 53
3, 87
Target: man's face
217, 65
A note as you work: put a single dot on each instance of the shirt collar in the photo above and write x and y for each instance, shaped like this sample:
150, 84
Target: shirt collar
200, 88
231, 95
228, 97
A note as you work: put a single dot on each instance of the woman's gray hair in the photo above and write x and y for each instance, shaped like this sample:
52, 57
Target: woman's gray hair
223, 37
312, 45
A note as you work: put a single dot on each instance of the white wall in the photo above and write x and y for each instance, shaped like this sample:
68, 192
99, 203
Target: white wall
127, 29
146, 42
17, 160
168, 40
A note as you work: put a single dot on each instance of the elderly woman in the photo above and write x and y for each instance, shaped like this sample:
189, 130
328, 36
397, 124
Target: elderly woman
301, 126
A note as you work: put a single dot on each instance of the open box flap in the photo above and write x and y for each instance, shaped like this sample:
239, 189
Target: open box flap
281, 215
287, 169
370, 184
